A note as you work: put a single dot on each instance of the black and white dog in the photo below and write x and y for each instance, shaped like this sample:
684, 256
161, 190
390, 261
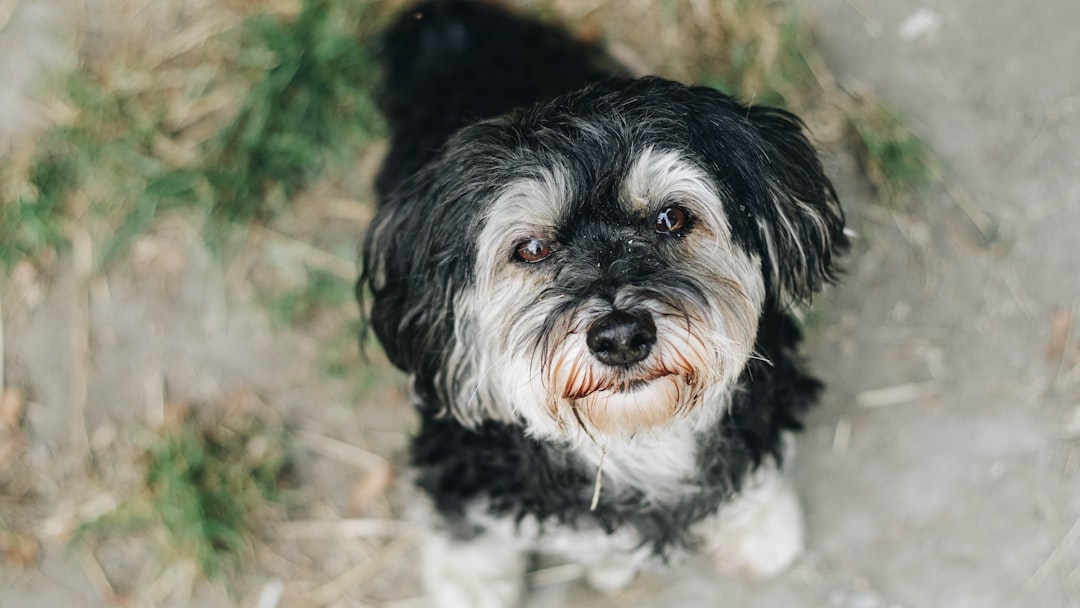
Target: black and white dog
588, 278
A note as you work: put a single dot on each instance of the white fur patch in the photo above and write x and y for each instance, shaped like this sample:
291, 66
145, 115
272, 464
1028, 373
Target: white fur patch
529, 208
485, 572
761, 532
659, 178
489, 570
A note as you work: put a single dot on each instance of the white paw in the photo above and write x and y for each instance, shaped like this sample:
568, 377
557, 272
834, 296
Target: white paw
610, 577
480, 573
761, 533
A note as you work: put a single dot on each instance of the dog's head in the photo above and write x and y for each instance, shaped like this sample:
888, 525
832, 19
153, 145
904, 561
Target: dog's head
598, 264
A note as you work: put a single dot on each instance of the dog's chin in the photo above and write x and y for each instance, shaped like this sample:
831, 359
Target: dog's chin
631, 406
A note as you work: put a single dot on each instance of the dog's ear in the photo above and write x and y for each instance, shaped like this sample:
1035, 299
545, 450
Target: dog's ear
415, 270
782, 204
801, 223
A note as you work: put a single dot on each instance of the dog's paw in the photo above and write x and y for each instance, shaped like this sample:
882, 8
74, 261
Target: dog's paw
761, 533
610, 577
478, 573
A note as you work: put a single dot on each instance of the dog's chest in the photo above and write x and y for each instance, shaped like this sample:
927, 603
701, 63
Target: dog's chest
660, 469
650, 491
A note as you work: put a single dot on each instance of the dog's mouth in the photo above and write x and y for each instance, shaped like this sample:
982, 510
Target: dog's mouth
632, 404
635, 384
603, 398
619, 386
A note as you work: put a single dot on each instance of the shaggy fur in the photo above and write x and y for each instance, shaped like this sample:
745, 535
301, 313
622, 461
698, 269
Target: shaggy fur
588, 274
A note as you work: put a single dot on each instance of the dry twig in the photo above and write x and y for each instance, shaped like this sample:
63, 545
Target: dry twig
83, 264
7, 11
339, 450
1055, 557
841, 436
177, 577
556, 575
317, 258
965, 202
358, 576
95, 575
1066, 349
270, 596
342, 528
896, 395
2, 384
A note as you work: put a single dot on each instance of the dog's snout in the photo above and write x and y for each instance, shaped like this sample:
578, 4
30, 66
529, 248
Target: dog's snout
622, 338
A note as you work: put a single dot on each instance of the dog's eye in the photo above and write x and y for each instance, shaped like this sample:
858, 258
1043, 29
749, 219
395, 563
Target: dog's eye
673, 220
532, 251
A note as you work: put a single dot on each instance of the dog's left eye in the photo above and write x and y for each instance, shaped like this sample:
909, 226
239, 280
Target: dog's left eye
673, 220
532, 251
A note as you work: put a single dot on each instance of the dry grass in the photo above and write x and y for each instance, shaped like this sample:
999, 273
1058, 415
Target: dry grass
199, 489
213, 109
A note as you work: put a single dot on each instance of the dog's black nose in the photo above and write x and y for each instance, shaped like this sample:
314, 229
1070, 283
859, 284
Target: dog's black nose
622, 338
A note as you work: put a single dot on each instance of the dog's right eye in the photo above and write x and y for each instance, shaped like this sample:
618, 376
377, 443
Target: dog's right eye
532, 251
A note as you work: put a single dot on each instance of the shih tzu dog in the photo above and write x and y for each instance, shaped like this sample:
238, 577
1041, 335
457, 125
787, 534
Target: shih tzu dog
589, 278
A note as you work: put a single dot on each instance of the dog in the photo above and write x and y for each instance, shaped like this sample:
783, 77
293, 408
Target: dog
589, 279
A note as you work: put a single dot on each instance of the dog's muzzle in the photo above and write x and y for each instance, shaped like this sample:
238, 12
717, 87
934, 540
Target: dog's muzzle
622, 338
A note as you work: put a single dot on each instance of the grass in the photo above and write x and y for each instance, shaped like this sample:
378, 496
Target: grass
317, 306
363, 366
324, 307
767, 68
891, 156
30, 224
209, 485
116, 163
312, 99
299, 305
116, 167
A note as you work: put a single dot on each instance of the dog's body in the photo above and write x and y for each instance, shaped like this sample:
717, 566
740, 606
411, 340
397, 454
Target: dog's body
587, 278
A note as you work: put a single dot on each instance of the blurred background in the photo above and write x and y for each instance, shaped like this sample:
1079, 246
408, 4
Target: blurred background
186, 418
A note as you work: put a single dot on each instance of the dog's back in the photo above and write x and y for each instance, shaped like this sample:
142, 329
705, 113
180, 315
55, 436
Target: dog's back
450, 63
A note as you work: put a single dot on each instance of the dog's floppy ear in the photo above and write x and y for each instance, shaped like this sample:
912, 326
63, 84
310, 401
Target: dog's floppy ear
801, 224
415, 270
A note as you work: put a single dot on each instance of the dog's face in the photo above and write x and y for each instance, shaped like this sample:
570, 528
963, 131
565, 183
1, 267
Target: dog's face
598, 265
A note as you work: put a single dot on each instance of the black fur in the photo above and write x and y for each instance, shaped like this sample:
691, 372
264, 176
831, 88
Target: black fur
472, 61
450, 64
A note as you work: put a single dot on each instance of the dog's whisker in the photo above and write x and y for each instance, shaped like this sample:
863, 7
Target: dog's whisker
763, 359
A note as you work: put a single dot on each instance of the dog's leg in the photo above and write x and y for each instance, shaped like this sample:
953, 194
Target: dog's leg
487, 571
761, 532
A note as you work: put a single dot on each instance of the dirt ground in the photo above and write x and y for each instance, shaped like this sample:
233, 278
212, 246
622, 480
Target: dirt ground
942, 470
